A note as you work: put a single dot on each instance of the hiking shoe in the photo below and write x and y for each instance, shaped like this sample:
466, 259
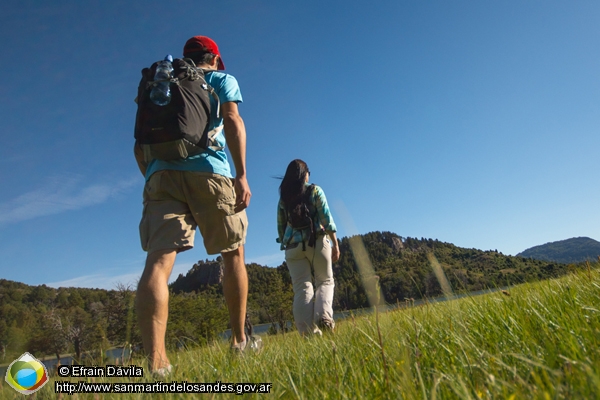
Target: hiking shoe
255, 344
162, 373
327, 324
239, 348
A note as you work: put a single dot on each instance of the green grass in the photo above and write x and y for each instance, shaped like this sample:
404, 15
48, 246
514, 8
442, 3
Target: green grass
539, 340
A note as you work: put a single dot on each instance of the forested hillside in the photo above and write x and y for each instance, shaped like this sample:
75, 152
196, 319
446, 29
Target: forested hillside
405, 271
571, 250
403, 268
48, 321
52, 321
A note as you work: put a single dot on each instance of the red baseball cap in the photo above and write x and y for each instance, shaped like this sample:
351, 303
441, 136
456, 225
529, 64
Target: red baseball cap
199, 43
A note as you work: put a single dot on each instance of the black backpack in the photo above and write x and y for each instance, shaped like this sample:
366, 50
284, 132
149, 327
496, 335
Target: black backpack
299, 217
180, 128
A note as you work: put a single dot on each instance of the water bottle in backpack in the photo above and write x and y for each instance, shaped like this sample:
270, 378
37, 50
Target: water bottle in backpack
161, 92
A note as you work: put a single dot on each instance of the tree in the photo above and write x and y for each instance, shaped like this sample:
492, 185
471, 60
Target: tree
196, 318
3, 339
277, 302
51, 337
118, 312
75, 299
80, 331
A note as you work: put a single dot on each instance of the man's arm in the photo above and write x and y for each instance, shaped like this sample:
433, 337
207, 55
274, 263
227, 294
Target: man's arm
235, 134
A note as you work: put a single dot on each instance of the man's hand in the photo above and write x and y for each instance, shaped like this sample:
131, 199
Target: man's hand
242, 194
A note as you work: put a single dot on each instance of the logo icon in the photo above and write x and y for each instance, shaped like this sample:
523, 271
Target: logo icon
26, 374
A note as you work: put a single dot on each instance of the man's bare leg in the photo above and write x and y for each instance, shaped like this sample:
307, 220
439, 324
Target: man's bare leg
152, 305
235, 289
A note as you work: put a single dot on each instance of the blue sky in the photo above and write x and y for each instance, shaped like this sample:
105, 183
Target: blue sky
471, 122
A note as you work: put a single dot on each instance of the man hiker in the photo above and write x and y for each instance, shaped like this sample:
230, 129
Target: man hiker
196, 191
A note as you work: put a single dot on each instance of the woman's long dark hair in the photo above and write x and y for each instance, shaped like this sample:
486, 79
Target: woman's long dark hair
292, 186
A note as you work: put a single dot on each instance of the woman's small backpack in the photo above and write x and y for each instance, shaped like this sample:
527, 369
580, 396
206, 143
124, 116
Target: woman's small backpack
300, 217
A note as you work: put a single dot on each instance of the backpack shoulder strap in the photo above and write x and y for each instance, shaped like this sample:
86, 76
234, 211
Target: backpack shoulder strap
214, 132
213, 93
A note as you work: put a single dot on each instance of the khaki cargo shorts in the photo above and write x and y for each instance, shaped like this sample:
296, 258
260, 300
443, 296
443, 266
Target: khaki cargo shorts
175, 202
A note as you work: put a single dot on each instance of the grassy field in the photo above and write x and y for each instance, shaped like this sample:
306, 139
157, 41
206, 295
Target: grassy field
535, 341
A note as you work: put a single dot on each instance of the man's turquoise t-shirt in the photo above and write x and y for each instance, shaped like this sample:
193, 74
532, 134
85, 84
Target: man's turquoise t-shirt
227, 88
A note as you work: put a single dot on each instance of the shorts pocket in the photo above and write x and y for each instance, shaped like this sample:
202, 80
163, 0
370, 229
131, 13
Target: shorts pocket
152, 186
233, 223
226, 207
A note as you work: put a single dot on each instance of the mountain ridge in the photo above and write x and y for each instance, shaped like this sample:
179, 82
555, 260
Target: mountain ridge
568, 251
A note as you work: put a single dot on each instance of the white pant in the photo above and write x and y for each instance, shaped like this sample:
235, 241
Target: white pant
312, 307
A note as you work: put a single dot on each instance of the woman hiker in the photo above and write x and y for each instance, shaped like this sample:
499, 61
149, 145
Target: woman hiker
307, 234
